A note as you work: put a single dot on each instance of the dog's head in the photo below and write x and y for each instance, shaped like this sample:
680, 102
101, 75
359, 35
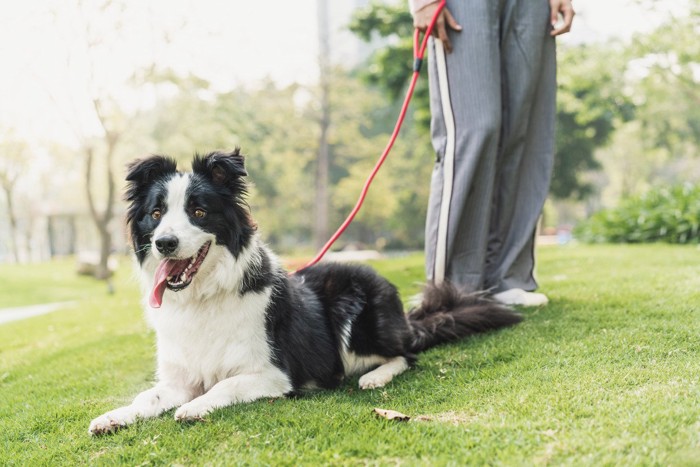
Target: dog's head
176, 219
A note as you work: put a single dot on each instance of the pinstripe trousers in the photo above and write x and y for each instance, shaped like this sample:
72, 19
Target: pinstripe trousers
493, 108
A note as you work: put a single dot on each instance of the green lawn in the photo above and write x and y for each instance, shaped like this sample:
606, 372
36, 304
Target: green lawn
608, 373
48, 282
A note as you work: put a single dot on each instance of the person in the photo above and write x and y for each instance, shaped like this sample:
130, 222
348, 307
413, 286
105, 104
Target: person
492, 78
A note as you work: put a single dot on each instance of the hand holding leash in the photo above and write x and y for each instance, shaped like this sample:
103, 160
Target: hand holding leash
438, 15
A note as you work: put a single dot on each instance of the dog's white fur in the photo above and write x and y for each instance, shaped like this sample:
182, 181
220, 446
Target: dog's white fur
219, 368
175, 220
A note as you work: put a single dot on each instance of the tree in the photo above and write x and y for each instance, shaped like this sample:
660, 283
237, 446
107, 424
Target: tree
277, 129
393, 213
666, 84
659, 146
113, 125
324, 121
98, 145
590, 105
277, 135
390, 66
102, 97
13, 160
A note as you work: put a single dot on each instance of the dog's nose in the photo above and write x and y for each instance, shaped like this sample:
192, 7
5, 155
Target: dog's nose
167, 244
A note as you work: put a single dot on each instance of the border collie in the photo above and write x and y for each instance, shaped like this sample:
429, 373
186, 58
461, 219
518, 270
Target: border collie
233, 326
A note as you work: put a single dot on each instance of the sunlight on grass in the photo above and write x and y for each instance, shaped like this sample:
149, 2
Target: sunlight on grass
608, 373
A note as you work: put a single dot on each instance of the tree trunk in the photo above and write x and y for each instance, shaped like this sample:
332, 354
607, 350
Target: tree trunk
8, 187
320, 231
102, 220
13, 225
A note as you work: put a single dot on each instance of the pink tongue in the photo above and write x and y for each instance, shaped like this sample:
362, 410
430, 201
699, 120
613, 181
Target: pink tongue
159, 282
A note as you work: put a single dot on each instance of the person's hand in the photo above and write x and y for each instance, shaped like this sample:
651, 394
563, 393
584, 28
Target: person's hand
422, 17
567, 11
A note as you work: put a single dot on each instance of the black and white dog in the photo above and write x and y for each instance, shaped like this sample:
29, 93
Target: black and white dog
232, 326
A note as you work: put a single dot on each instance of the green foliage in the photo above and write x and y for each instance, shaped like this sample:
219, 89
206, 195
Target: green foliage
277, 129
665, 214
401, 187
384, 20
390, 66
607, 374
658, 143
589, 106
665, 64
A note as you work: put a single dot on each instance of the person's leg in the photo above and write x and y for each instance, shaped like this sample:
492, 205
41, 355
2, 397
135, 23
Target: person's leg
526, 154
465, 100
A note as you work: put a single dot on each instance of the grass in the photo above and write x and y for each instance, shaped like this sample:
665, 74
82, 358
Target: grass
608, 373
48, 282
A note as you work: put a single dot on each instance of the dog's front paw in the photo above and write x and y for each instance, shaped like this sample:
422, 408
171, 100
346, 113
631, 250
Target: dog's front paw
192, 411
373, 380
106, 423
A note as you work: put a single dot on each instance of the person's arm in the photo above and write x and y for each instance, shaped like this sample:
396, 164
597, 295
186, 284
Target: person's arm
423, 11
567, 11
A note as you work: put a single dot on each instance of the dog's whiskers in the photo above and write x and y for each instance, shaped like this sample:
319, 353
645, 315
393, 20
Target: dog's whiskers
144, 249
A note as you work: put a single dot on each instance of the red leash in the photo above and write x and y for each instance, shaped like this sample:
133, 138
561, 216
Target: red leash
418, 53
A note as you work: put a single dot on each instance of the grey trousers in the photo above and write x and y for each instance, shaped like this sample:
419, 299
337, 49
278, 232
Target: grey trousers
493, 109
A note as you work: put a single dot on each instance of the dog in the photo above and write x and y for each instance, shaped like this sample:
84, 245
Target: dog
233, 326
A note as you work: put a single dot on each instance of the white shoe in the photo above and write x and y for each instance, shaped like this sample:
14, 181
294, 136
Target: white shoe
521, 297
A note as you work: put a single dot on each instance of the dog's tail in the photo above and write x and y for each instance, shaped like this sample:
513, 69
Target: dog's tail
447, 314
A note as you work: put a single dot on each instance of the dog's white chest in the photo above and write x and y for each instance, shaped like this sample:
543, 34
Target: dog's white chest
207, 342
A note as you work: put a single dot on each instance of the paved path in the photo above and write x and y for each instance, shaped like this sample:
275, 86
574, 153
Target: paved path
23, 312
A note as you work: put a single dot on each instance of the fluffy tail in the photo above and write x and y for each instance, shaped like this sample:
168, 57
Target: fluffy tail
447, 314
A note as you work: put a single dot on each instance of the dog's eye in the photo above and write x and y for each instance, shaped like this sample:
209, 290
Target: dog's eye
156, 214
199, 213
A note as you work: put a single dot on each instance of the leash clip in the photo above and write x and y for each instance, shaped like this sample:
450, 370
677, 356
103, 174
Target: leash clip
417, 63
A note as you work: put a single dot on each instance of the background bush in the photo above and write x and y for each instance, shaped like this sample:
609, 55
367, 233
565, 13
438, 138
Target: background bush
664, 214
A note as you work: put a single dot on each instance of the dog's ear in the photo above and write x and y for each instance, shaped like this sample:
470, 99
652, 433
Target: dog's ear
142, 172
222, 168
